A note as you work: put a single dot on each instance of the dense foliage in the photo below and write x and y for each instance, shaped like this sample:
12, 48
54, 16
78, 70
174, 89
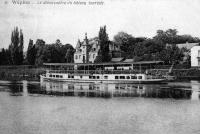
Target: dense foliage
161, 47
156, 48
104, 44
16, 47
37, 53
40, 52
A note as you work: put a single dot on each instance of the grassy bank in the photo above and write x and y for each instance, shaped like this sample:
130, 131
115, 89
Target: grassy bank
191, 73
20, 73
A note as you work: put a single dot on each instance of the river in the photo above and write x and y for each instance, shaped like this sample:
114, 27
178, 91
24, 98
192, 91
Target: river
29, 107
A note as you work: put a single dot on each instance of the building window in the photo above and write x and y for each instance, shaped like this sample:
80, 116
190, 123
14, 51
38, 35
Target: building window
76, 56
93, 56
79, 56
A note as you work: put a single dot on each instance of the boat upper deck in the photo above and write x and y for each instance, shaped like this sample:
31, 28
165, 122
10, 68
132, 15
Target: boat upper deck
101, 68
105, 63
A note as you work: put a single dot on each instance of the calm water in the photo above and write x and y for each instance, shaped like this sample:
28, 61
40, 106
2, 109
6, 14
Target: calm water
83, 108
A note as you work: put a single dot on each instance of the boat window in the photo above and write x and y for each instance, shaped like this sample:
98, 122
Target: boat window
57, 76
139, 77
61, 76
133, 77
81, 76
105, 77
90, 77
97, 77
53, 75
122, 77
50, 75
127, 77
116, 77
70, 76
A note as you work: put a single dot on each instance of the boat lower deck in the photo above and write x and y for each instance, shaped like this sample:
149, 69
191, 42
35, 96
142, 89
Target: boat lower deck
103, 78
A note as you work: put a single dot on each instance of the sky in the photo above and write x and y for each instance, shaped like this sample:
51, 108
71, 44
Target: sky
70, 22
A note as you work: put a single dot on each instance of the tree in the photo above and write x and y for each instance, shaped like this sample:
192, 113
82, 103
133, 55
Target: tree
127, 43
31, 53
123, 40
172, 54
148, 49
169, 36
21, 47
16, 47
40, 49
69, 55
4, 55
104, 44
53, 53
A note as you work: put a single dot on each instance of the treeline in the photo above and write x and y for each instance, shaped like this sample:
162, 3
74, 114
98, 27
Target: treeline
40, 52
37, 53
14, 54
160, 47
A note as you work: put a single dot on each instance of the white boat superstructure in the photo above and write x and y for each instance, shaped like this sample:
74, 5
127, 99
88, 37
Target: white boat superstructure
101, 74
103, 78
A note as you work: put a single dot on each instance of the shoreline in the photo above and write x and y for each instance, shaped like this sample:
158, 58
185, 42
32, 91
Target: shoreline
33, 73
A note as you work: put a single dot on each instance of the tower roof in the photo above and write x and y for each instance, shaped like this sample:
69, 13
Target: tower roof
85, 42
78, 45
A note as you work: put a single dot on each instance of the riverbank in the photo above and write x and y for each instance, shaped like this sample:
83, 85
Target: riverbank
190, 74
21, 73
33, 73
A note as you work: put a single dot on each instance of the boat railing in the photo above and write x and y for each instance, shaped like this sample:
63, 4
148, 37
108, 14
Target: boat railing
94, 71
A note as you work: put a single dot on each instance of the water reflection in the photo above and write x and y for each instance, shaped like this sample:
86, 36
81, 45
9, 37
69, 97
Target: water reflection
172, 90
113, 90
16, 88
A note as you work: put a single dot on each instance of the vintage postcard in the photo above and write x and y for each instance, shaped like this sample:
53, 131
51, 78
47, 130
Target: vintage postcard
99, 67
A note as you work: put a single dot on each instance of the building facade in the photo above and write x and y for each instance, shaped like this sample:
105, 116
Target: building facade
195, 56
88, 51
187, 49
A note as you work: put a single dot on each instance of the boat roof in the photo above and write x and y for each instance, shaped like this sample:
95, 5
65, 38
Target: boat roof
103, 63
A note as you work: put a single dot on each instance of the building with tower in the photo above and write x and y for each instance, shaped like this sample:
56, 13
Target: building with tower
88, 51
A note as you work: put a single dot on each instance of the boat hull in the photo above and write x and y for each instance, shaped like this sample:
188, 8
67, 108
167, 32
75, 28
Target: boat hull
147, 81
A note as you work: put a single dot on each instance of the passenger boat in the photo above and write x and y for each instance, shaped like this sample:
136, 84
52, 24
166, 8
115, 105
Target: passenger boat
99, 73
